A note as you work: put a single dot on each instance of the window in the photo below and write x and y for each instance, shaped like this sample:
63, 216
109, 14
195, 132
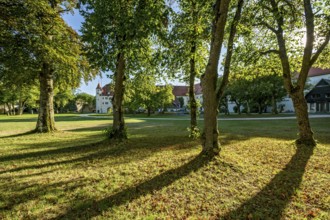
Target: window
327, 95
106, 103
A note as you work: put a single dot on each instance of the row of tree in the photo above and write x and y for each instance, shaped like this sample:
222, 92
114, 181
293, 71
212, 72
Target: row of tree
17, 99
38, 47
153, 37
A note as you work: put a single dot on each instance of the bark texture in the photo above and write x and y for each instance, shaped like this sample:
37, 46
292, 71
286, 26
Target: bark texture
118, 127
210, 140
192, 98
211, 93
46, 121
305, 131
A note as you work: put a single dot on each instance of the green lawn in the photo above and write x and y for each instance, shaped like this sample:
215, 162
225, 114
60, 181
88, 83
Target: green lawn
158, 174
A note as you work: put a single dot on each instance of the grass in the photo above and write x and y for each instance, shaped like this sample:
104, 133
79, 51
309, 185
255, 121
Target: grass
158, 173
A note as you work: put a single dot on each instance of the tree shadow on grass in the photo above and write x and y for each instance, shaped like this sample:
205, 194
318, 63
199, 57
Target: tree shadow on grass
271, 201
90, 208
18, 135
97, 150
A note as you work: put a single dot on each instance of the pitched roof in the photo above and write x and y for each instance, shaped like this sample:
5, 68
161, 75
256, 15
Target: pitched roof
318, 72
183, 90
98, 86
180, 90
107, 90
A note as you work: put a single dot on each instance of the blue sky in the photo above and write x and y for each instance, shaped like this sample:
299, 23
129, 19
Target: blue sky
75, 20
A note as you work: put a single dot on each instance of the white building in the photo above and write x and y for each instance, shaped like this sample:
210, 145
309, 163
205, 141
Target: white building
314, 76
103, 99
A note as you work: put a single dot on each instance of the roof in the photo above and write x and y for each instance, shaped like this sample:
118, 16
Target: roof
323, 86
183, 90
318, 72
106, 90
180, 90
98, 86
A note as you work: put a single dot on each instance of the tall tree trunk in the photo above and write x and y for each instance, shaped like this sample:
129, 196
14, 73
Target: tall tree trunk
46, 121
148, 111
305, 132
192, 98
209, 79
118, 127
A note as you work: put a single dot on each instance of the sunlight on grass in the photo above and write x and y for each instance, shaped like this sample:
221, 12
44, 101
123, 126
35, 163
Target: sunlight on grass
157, 173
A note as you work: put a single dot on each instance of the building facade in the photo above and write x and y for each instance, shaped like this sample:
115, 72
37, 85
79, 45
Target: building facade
318, 98
103, 99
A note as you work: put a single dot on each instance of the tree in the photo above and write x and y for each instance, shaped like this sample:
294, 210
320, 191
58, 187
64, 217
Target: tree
37, 37
118, 35
62, 98
142, 92
190, 36
84, 99
212, 92
283, 24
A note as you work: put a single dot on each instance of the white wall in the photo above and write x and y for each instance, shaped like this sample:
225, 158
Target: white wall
103, 103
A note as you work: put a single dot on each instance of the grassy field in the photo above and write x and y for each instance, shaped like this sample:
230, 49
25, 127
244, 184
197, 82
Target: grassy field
158, 173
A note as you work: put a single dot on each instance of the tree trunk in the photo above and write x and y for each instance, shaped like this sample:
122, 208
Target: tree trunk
274, 110
118, 127
21, 104
305, 131
9, 112
46, 121
192, 98
259, 109
296, 92
209, 79
248, 110
148, 111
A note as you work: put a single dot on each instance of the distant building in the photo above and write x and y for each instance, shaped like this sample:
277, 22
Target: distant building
316, 74
314, 77
103, 98
104, 95
318, 98
183, 92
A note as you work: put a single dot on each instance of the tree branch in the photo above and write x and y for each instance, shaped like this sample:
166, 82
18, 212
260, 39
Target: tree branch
320, 49
309, 17
264, 23
233, 30
269, 51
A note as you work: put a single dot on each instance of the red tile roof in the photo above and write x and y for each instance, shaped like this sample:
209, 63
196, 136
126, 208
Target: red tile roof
318, 72
180, 90
184, 90
107, 91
